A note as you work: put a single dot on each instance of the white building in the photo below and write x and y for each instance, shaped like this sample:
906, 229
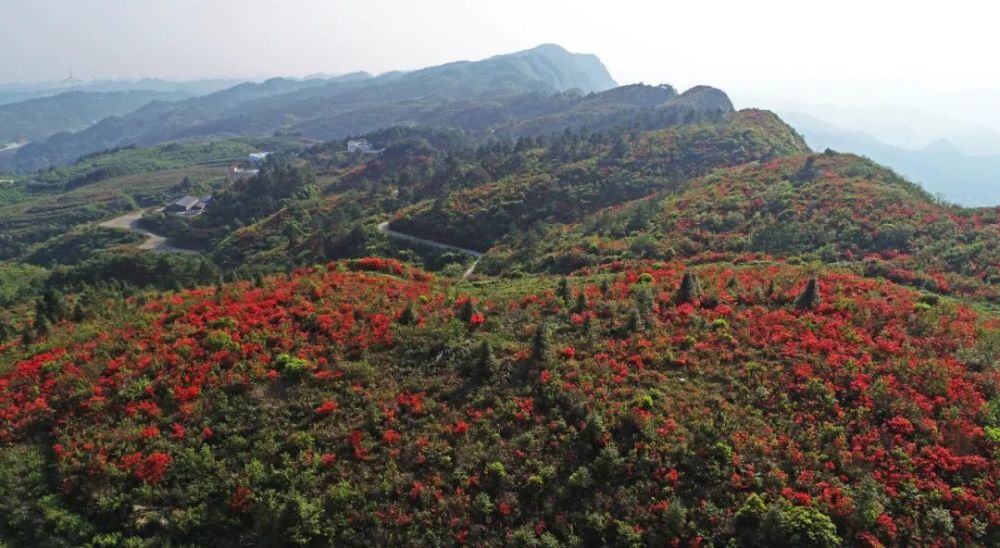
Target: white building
237, 173
362, 146
257, 158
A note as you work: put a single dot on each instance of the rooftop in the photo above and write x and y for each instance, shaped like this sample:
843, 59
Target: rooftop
185, 201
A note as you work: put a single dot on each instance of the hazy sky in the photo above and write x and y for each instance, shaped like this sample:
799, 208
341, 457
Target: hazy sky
933, 55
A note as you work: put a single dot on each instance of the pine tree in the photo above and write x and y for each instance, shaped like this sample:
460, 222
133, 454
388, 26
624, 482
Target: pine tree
42, 324
563, 290
581, 302
53, 305
79, 314
205, 272
689, 290
465, 313
541, 343
809, 298
731, 283
634, 321
486, 362
219, 289
6, 330
644, 301
408, 316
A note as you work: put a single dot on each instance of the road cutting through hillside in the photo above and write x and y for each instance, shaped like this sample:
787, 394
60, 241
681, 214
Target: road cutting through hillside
384, 229
154, 242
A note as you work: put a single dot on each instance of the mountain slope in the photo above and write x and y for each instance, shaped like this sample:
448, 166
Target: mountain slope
687, 330
613, 173
37, 119
366, 403
257, 109
940, 167
830, 207
16, 93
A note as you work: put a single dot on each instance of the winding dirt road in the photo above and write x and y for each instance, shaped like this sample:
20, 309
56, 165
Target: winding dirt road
384, 229
11, 146
154, 242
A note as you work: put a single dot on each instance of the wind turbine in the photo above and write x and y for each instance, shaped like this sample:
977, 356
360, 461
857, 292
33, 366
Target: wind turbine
71, 80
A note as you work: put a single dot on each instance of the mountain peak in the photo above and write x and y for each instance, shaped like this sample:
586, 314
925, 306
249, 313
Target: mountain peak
548, 48
942, 146
565, 70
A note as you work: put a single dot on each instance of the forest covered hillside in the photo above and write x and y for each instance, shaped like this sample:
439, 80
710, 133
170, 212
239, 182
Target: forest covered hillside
832, 208
366, 402
615, 316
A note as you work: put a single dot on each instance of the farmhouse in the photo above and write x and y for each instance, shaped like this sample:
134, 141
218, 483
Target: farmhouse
188, 205
181, 205
199, 208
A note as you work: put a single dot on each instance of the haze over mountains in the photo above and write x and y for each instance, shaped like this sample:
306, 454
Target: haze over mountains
514, 94
14, 93
37, 119
943, 166
328, 108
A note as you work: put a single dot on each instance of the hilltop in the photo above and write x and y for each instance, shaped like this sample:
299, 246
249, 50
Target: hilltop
832, 207
599, 176
368, 402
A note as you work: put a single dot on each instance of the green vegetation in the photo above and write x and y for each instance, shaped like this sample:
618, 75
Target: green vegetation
78, 245
831, 208
18, 280
574, 175
686, 330
301, 409
104, 185
127, 161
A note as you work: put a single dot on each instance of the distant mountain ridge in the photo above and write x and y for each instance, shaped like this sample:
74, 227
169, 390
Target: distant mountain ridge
15, 93
941, 167
354, 103
40, 118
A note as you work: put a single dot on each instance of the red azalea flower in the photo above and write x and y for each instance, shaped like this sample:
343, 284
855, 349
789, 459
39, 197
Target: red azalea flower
326, 408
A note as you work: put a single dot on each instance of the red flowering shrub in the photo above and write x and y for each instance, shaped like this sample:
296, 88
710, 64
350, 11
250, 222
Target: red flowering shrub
239, 501
148, 468
391, 436
326, 408
864, 414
